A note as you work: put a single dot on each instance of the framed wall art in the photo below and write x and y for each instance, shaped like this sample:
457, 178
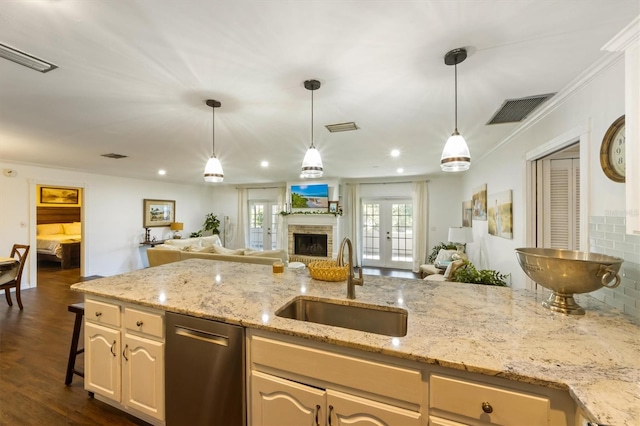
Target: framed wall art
467, 214
313, 196
50, 195
479, 200
158, 213
500, 214
333, 207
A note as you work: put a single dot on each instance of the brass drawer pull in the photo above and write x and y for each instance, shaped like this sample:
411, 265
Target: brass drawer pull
139, 323
487, 408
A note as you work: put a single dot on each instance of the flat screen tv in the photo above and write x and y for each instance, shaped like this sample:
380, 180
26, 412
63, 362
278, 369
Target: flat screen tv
313, 196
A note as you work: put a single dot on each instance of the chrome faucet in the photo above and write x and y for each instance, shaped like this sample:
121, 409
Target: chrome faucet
351, 280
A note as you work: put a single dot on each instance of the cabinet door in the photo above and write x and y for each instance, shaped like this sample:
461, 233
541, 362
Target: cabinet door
143, 375
276, 401
345, 409
102, 360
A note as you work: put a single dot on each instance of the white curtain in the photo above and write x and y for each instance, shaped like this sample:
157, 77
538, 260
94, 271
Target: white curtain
352, 224
420, 224
283, 235
242, 236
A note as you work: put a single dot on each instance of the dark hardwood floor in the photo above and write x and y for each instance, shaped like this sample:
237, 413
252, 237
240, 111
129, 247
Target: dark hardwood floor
34, 349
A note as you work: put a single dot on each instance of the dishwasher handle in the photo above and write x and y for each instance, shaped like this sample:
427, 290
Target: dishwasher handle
201, 335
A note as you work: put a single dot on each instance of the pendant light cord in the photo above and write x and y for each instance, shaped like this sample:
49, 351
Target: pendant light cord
455, 71
312, 90
213, 131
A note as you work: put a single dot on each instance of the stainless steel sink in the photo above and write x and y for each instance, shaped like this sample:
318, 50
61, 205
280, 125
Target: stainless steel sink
356, 316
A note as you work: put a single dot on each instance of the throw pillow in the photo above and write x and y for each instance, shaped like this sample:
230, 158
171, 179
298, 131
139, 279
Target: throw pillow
212, 240
193, 242
453, 266
74, 228
444, 257
223, 250
281, 254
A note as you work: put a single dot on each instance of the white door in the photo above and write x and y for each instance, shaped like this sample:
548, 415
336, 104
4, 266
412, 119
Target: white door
263, 225
387, 233
559, 203
276, 401
143, 375
102, 360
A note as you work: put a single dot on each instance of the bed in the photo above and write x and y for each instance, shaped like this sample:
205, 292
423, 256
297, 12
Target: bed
59, 241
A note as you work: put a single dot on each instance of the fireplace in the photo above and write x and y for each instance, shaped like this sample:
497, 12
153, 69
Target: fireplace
310, 244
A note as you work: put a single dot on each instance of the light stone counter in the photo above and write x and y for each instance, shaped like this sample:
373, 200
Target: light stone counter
489, 330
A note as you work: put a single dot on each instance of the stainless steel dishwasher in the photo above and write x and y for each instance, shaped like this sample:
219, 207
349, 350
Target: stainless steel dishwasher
204, 373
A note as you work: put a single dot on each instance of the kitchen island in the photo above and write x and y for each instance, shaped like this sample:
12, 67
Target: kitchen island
491, 331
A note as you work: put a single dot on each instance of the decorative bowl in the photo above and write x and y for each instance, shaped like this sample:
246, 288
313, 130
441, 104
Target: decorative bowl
567, 272
328, 270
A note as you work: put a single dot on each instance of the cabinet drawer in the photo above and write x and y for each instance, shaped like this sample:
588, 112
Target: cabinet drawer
102, 313
144, 322
403, 384
507, 407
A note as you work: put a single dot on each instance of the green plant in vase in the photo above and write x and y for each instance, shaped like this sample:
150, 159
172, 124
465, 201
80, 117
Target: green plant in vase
211, 223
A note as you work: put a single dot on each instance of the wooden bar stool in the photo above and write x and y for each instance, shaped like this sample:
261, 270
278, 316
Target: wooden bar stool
78, 309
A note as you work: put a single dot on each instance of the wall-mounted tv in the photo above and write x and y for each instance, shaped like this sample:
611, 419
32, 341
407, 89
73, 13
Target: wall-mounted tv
313, 196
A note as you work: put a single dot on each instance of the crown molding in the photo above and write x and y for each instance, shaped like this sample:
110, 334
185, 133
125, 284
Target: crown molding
627, 37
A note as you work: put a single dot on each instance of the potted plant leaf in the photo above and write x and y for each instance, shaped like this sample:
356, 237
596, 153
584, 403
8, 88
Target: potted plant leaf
212, 224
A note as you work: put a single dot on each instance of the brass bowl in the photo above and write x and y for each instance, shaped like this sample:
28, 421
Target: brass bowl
568, 272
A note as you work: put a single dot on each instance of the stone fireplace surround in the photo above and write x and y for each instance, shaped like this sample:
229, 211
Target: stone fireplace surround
312, 224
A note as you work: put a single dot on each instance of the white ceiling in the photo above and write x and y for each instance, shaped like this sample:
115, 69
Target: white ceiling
134, 75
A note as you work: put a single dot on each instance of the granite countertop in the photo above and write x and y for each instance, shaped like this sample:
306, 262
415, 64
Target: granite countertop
489, 330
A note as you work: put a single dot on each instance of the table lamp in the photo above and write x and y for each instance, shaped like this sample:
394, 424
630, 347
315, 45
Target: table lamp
176, 227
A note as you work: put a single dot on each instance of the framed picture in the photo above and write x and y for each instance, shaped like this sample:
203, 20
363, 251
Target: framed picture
158, 213
479, 200
312, 196
58, 195
500, 214
333, 207
467, 214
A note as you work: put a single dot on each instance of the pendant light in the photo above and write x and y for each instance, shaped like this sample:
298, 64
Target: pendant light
312, 163
455, 155
213, 170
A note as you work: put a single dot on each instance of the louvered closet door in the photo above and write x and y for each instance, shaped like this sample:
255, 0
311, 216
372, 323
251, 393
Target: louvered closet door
560, 208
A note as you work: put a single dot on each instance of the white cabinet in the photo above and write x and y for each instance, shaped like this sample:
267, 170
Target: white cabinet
293, 383
277, 401
628, 41
124, 357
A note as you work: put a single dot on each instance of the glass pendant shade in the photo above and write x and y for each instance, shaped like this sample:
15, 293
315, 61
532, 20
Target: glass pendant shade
311, 164
455, 155
213, 170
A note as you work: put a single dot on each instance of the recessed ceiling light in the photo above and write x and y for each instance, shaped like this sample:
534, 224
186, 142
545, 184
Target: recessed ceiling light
264, 163
395, 152
400, 170
162, 172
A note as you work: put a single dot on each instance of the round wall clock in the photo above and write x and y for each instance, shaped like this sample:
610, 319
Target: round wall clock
612, 156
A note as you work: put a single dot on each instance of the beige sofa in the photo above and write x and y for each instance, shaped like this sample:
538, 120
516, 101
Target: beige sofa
209, 248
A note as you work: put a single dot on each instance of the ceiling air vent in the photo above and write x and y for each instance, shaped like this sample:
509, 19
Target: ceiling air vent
114, 156
24, 59
516, 110
341, 127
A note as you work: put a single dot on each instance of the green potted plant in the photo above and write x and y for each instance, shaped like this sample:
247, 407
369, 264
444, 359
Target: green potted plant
468, 273
211, 223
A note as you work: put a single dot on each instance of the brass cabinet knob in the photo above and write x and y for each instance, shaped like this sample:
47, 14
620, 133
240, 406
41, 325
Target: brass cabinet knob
487, 408
139, 323
98, 313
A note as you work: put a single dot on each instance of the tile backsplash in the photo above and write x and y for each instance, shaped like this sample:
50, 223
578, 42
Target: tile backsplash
607, 236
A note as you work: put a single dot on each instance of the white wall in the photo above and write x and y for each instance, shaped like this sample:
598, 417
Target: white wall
595, 106
112, 215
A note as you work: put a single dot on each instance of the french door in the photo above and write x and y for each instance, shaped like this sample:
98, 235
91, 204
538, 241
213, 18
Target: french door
263, 225
387, 233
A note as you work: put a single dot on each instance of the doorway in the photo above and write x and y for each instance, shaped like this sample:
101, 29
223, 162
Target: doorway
387, 233
263, 225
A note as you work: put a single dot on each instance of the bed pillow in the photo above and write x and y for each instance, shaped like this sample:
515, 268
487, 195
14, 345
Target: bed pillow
211, 240
74, 228
223, 250
49, 229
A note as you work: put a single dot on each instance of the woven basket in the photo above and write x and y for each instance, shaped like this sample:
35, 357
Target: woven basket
328, 270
